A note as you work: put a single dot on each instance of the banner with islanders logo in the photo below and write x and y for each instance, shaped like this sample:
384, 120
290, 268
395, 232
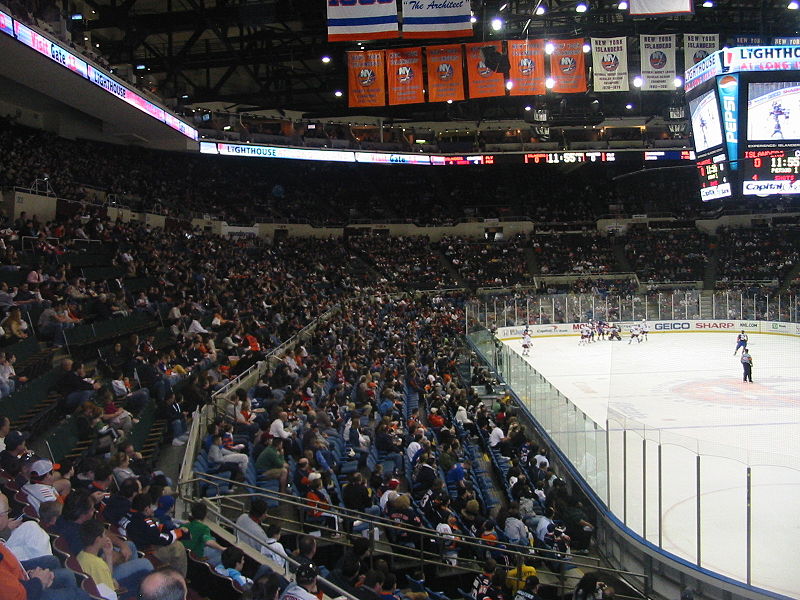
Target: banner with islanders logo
527, 67
610, 64
483, 81
658, 62
365, 78
696, 46
567, 66
404, 67
445, 72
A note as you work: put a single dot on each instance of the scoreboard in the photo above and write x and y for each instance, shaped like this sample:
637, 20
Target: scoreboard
744, 105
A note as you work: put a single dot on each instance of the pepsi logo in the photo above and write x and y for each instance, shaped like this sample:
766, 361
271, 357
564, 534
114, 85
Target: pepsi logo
445, 71
405, 74
728, 83
658, 60
567, 64
366, 77
609, 62
526, 66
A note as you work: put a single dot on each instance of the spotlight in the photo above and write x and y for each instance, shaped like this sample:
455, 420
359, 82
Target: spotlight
793, 5
338, 93
449, 101
509, 85
549, 48
629, 106
540, 10
140, 67
497, 24
622, 5
708, 4
326, 59
76, 17
637, 81
581, 7
549, 83
677, 82
586, 48
503, 6
528, 108
473, 19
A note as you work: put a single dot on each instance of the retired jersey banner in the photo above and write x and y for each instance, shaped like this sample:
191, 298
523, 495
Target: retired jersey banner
445, 72
436, 18
483, 81
365, 78
610, 64
661, 7
527, 67
658, 62
404, 69
348, 21
696, 46
567, 66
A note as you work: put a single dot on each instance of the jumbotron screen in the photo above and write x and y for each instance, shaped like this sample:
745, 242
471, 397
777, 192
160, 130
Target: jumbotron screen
706, 127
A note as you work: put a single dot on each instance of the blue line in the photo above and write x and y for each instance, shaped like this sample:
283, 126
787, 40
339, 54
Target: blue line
435, 20
362, 21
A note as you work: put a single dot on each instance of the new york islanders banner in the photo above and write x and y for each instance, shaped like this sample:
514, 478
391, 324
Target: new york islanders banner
527, 67
404, 68
436, 18
696, 46
365, 78
445, 72
658, 62
610, 64
350, 21
567, 66
661, 7
483, 81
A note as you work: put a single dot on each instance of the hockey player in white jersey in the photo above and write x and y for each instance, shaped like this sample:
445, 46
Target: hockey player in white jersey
527, 342
645, 328
636, 332
586, 334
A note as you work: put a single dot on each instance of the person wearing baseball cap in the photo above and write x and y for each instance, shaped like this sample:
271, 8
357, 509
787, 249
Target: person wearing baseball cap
40, 488
15, 448
305, 584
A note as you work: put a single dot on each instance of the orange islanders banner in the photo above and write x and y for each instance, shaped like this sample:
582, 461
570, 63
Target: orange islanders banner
404, 67
567, 66
483, 81
365, 78
445, 72
527, 67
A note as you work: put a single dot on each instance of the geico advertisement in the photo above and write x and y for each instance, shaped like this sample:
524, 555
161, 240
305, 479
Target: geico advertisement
676, 326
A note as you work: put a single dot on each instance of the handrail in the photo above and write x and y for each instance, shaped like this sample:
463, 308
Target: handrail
517, 551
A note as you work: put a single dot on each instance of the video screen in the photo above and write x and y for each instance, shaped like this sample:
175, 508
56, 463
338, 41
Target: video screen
706, 125
773, 111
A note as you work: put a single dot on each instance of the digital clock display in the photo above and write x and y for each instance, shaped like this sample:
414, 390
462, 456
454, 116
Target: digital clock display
713, 173
771, 171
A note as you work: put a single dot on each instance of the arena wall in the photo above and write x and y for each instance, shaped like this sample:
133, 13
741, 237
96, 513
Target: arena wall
656, 327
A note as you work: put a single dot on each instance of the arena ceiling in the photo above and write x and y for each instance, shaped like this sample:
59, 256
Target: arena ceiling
257, 55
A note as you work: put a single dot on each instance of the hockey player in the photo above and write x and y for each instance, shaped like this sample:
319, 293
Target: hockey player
635, 334
526, 343
741, 342
586, 333
645, 328
601, 330
592, 329
613, 333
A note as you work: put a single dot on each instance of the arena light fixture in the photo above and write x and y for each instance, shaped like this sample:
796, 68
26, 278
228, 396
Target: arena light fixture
473, 19
581, 7
549, 83
708, 4
793, 5
326, 59
586, 48
549, 48
528, 108
509, 85
677, 82
637, 81
540, 10
338, 93
497, 24
450, 101
503, 6
622, 5
629, 106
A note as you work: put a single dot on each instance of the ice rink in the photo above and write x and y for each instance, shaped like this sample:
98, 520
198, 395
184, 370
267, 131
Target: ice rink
687, 389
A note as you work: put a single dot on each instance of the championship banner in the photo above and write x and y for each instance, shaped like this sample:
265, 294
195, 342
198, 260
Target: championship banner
348, 21
436, 19
567, 66
445, 73
658, 62
365, 78
696, 46
404, 68
660, 7
483, 81
527, 67
610, 64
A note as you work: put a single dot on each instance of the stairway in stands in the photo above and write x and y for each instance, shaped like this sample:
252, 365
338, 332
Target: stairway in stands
623, 265
712, 266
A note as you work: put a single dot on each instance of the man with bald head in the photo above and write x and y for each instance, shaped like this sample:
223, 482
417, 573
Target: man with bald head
164, 584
